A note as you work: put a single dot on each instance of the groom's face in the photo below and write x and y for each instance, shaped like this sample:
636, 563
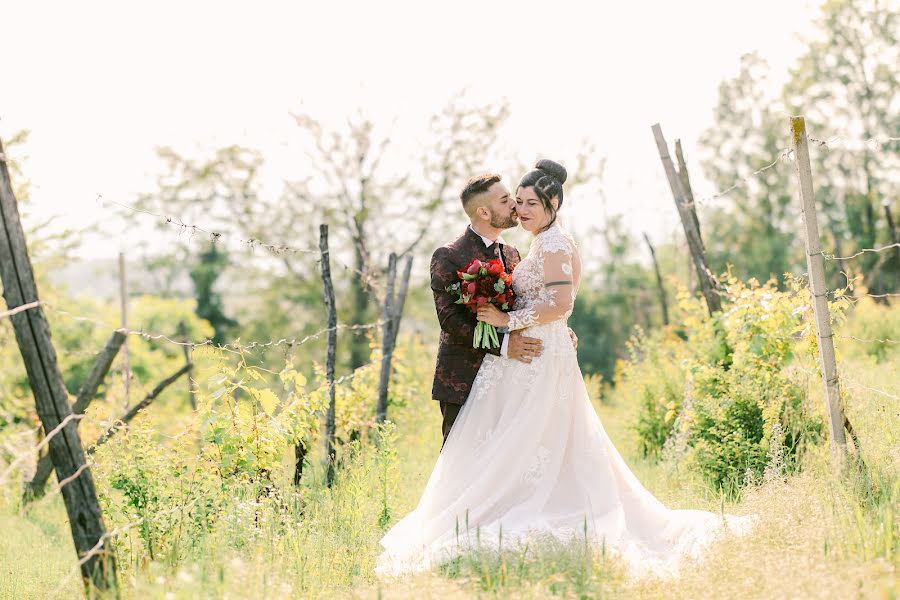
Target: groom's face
500, 207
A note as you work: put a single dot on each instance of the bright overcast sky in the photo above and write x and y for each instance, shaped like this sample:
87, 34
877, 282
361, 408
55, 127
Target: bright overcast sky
101, 84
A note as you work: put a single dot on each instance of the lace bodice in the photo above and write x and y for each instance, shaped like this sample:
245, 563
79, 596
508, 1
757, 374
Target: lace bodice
546, 281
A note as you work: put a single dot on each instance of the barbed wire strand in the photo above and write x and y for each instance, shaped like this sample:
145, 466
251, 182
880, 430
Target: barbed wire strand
37, 448
214, 235
104, 424
234, 348
27, 432
117, 422
743, 180
11, 446
854, 295
871, 341
252, 243
18, 309
98, 547
284, 249
47, 498
860, 253
853, 384
784, 154
845, 382
874, 140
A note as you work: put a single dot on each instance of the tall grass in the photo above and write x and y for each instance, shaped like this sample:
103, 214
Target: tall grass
822, 533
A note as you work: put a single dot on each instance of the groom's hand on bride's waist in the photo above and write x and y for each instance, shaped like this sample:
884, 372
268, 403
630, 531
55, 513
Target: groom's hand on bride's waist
524, 348
574, 338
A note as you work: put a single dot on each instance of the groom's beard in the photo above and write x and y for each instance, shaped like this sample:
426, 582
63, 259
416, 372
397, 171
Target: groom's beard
501, 221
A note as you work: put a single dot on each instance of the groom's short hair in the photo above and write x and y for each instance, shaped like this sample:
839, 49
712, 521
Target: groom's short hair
476, 186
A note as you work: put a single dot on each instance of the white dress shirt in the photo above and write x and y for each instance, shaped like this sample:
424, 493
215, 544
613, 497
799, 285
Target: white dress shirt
504, 347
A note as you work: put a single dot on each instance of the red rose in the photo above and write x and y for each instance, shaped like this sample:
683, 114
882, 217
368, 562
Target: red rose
477, 287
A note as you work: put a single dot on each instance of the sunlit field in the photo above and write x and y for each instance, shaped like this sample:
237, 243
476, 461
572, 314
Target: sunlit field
241, 256
821, 533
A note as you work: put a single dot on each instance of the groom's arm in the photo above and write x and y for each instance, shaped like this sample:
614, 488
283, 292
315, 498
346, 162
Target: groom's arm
454, 318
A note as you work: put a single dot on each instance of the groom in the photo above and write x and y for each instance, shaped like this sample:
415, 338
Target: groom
491, 210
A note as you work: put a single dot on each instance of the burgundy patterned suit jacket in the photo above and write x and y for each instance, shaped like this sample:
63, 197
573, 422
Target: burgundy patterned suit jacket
457, 361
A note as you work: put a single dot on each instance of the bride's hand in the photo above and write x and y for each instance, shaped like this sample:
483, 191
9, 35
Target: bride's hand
492, 315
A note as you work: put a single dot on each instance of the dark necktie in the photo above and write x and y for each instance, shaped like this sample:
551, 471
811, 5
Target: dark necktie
498, 251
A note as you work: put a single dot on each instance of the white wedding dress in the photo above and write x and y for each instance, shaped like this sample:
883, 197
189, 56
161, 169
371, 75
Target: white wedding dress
528, 457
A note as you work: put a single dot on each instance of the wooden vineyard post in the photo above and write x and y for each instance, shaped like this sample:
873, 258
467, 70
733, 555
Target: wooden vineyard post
387, 348
401, 297
87, 393
51, 400
393, 312
330, 307
815, 262
689, 222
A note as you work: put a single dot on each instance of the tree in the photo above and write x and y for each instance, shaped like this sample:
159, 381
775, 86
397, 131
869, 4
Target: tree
612, 299
846, 84
217, 193
220, 193
374, 209
204, 273
349, 180
753, 228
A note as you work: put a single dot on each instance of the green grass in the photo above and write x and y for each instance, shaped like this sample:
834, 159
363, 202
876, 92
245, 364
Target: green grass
821, 535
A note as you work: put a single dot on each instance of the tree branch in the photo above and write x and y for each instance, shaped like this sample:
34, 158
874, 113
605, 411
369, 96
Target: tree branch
148, 399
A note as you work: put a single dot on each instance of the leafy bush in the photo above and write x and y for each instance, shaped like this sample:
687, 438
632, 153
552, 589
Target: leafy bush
656, 382
732, 364
223, 474
248, 422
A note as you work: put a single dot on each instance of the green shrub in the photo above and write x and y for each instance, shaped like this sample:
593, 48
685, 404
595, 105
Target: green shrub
733, 364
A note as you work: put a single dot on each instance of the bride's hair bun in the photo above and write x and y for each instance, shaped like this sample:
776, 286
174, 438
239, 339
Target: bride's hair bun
552, 168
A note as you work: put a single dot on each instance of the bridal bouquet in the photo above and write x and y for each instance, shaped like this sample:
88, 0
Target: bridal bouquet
482, 283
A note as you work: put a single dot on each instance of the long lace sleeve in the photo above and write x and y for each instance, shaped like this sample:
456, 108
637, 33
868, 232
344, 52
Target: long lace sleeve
556, 297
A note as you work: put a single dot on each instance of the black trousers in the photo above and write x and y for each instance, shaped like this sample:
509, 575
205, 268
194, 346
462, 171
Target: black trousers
449, 412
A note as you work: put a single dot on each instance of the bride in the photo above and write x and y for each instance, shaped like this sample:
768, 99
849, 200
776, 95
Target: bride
527, 456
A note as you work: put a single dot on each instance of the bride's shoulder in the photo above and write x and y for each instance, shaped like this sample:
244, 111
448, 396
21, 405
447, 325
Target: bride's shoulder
554, 239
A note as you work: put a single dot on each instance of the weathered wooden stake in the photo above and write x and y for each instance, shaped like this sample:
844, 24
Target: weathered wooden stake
401, 297
88, 391
815, 262
387, 347
51, 399
331, 310
689, 222
659, 282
